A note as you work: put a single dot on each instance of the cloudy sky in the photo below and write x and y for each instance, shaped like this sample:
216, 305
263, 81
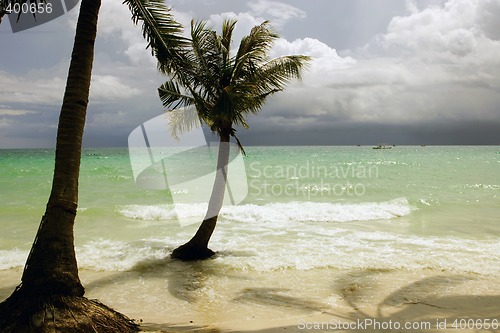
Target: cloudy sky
401, 72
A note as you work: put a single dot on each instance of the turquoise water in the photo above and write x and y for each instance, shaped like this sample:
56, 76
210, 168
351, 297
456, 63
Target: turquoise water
405, 208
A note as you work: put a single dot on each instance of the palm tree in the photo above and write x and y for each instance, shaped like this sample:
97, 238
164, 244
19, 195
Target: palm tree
50, 297
224, 88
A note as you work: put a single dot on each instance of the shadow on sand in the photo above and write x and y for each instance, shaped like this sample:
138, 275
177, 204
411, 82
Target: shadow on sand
424, 300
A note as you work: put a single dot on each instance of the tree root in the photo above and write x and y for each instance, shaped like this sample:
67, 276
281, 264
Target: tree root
61, 314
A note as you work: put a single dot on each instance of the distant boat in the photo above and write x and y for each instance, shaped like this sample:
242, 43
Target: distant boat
383, 146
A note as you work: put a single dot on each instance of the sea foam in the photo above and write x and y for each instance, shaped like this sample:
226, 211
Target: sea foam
277, 212
12, 258
318, 211
288, 235
162, 212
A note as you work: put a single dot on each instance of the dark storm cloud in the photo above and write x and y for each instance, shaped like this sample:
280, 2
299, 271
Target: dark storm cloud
408, 72
459, 133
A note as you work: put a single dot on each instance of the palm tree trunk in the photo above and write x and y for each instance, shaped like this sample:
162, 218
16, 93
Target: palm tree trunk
197, 247
50, 295
52, 262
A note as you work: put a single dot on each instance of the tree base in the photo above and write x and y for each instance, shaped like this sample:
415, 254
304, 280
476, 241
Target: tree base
60, 314
188, 252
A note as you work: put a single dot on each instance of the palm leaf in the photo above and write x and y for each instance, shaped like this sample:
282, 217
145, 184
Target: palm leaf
226, 38
277, 73
161, 31
182, 120
172, 97
254, 49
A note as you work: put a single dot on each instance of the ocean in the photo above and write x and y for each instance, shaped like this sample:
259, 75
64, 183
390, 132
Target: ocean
303, 209
346, 207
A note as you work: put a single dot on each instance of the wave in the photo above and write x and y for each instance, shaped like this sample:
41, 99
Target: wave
277, 212
265, 250
318, 212
279, 236
148, 213
12, 258
108, 255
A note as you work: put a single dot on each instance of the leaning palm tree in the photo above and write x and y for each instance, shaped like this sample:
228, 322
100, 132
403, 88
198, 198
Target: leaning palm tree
50, 297
224, 88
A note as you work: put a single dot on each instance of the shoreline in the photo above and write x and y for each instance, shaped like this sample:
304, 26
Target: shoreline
193, 298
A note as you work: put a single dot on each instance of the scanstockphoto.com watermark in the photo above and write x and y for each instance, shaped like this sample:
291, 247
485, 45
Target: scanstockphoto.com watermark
309, 180
368, 324
372, 324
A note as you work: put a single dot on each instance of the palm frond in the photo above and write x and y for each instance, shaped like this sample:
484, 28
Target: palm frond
227, 36
172, 97
258, 42
240, 146
199, 43
277, 73
182, 120
254, 49
207, 61
161, 31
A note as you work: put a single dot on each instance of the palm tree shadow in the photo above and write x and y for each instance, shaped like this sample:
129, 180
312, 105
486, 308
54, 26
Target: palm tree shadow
275, 297
424, 300
185, 280
422, 290
355, 287
465, 306
365, 292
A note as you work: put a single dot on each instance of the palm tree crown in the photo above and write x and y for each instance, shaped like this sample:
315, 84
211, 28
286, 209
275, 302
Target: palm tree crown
225, 86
